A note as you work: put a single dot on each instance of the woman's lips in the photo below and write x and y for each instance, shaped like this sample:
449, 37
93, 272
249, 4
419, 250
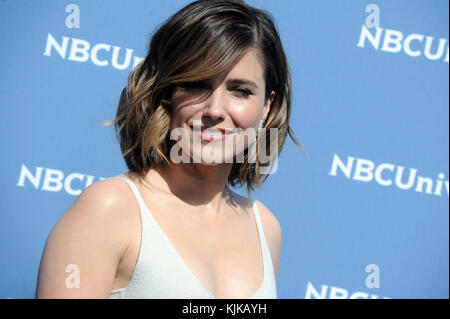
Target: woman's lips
212, 134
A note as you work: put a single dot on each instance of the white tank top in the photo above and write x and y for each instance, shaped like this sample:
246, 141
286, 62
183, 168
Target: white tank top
160, 272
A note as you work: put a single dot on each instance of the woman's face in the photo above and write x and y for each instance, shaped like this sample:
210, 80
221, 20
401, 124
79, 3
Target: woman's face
218, 118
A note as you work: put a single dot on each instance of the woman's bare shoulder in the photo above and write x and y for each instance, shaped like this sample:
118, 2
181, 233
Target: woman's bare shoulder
92, 234
108, 204
269, 219
270, 222
109, 196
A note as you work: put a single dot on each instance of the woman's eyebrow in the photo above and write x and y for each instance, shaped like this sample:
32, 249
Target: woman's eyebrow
243, 82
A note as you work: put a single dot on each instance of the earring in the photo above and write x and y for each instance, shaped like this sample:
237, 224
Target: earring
259, 128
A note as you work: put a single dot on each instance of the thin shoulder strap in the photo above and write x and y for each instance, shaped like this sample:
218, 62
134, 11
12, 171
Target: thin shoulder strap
269, 281
262, 237
136, 193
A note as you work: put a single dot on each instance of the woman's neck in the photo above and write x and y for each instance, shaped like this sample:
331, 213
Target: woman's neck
193, 183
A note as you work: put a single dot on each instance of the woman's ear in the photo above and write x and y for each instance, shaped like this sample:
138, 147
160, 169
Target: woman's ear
267, 105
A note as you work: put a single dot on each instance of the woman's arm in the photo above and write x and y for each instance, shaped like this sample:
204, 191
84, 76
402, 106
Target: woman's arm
84, 248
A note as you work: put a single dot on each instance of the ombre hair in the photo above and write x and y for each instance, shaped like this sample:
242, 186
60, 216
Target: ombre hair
200, 41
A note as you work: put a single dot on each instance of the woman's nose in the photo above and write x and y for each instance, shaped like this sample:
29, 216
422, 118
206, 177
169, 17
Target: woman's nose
215, 106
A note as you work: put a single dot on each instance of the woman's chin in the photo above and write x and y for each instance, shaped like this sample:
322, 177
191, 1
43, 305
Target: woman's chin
210, 160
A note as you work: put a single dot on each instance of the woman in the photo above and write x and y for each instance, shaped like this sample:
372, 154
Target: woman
171, 228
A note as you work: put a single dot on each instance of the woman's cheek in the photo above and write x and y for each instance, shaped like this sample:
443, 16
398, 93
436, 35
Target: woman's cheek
244, 114
183, 105
183, 112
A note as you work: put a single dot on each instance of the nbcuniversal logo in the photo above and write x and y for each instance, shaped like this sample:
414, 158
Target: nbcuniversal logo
414, 45
386, 174
54, 180
100, 54
331, 292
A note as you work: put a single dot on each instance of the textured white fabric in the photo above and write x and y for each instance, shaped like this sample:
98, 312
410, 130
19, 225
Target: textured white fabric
161, 273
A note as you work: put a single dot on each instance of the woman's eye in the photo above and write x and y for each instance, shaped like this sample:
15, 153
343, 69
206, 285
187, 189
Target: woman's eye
243, 92
198, 86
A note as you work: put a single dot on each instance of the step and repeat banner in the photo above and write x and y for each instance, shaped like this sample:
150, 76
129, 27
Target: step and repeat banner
364, 209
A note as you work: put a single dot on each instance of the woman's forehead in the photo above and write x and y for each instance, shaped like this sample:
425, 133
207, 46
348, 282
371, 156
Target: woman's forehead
247, 69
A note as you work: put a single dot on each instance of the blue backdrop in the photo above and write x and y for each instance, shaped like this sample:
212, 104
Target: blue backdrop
365, 216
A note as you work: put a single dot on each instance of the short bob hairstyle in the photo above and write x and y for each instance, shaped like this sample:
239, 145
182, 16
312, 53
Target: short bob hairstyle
197, 43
